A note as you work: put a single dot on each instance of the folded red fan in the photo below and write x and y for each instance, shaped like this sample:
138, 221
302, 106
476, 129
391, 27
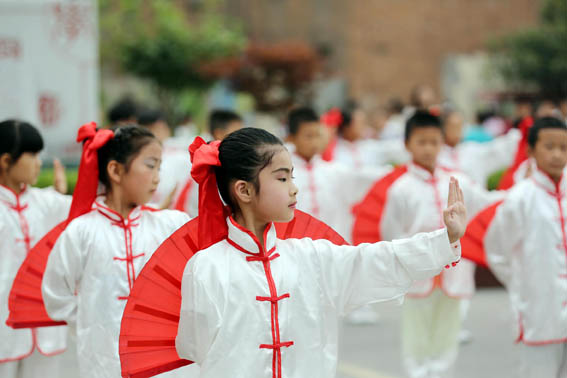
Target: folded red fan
25, 301
472, 243
150, 320
368, 213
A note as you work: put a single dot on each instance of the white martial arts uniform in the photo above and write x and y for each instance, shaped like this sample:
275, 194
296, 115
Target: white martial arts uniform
252, 310
24, 219
431, 320
369, 152
479, 160
175, 169
526, 247
90, 273
328, 191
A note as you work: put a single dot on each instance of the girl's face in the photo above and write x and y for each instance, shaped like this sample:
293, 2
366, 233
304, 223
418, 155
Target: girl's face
276, 199
140, 181
25, 170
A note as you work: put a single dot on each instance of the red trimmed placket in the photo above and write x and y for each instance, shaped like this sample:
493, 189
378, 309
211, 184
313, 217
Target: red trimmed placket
559, 195
265, 257
24, 225
127, 225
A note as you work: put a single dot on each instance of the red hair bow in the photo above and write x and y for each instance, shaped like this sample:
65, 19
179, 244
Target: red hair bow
87, 182
212, 212
333, 118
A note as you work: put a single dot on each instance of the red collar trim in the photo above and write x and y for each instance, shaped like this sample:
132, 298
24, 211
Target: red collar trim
236, 230
116, 216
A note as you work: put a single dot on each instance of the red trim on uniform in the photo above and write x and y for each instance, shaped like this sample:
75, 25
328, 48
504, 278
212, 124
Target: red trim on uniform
184, 195
265, 258
126, 225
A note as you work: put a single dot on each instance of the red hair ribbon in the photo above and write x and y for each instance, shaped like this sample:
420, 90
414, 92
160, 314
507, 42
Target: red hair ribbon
87, 182
212, 212
333, 118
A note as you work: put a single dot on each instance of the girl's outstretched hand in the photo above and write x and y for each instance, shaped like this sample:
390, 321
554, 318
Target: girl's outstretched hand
60, 178
455, 215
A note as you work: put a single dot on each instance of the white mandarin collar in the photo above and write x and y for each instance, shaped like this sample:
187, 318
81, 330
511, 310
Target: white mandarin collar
248, 241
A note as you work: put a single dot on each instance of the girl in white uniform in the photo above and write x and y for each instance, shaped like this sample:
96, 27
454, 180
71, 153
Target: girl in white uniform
96, 259
257, 306
26, 214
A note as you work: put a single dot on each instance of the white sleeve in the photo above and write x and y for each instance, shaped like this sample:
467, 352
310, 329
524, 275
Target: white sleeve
503, 237
57, 204
386, 151
63, 275
351, 185
478, 198
199, 318
392, 224
497, 154
352, 276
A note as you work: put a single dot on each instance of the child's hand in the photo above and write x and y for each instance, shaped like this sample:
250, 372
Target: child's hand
60, 178
455, 215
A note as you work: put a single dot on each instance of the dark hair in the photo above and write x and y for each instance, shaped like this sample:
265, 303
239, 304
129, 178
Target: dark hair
346, 119
123, 110
17, 137
148, 117
243, 154
298, 116
544, 123
128, 141
219, 119
421, 119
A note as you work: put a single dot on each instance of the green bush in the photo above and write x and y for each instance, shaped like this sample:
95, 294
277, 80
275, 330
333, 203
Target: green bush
45, 178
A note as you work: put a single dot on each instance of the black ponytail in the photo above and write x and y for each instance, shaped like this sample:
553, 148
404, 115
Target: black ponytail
243, 154
127, 143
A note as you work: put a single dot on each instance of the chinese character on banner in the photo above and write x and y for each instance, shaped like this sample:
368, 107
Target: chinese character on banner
9, 48
49, 110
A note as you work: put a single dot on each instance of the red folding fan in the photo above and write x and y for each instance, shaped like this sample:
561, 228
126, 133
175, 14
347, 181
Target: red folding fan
151, 316
472, 243
368, 213
25, 301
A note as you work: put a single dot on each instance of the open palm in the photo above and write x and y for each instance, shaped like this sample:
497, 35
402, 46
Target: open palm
455, 215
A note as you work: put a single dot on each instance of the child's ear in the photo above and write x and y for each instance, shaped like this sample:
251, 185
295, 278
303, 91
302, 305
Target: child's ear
243, 191
115, 170
5, 162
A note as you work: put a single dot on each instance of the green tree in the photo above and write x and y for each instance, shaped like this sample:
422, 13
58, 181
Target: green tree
158, 41
537, 56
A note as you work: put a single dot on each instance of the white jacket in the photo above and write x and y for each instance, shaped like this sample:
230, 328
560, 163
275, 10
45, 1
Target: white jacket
370, 152
175, 169
415, 203
526, 247
328, 191
479, 160
90, 272
24, 220
245, 311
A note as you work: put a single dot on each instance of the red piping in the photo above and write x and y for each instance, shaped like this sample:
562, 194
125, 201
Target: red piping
265, 257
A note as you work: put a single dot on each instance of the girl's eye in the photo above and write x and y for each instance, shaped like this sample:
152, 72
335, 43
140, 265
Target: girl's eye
283, 179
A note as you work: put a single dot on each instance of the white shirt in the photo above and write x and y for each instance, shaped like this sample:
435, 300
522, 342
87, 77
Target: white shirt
175, 169
242, 306
329, 190
90, 272
415, 203
24, 220
479, 160
526, 247
369, 152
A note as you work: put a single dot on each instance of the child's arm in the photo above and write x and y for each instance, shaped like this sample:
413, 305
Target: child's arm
200, 314
354, 276
62, 276
503, 237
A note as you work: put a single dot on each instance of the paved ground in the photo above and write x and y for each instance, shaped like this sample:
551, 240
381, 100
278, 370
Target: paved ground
374, 351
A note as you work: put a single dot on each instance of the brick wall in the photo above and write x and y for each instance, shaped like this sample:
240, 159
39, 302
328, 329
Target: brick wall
384, 47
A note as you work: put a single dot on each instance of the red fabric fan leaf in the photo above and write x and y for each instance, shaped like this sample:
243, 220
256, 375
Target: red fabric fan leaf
472, 243
151, 316
368, 213
25, 301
